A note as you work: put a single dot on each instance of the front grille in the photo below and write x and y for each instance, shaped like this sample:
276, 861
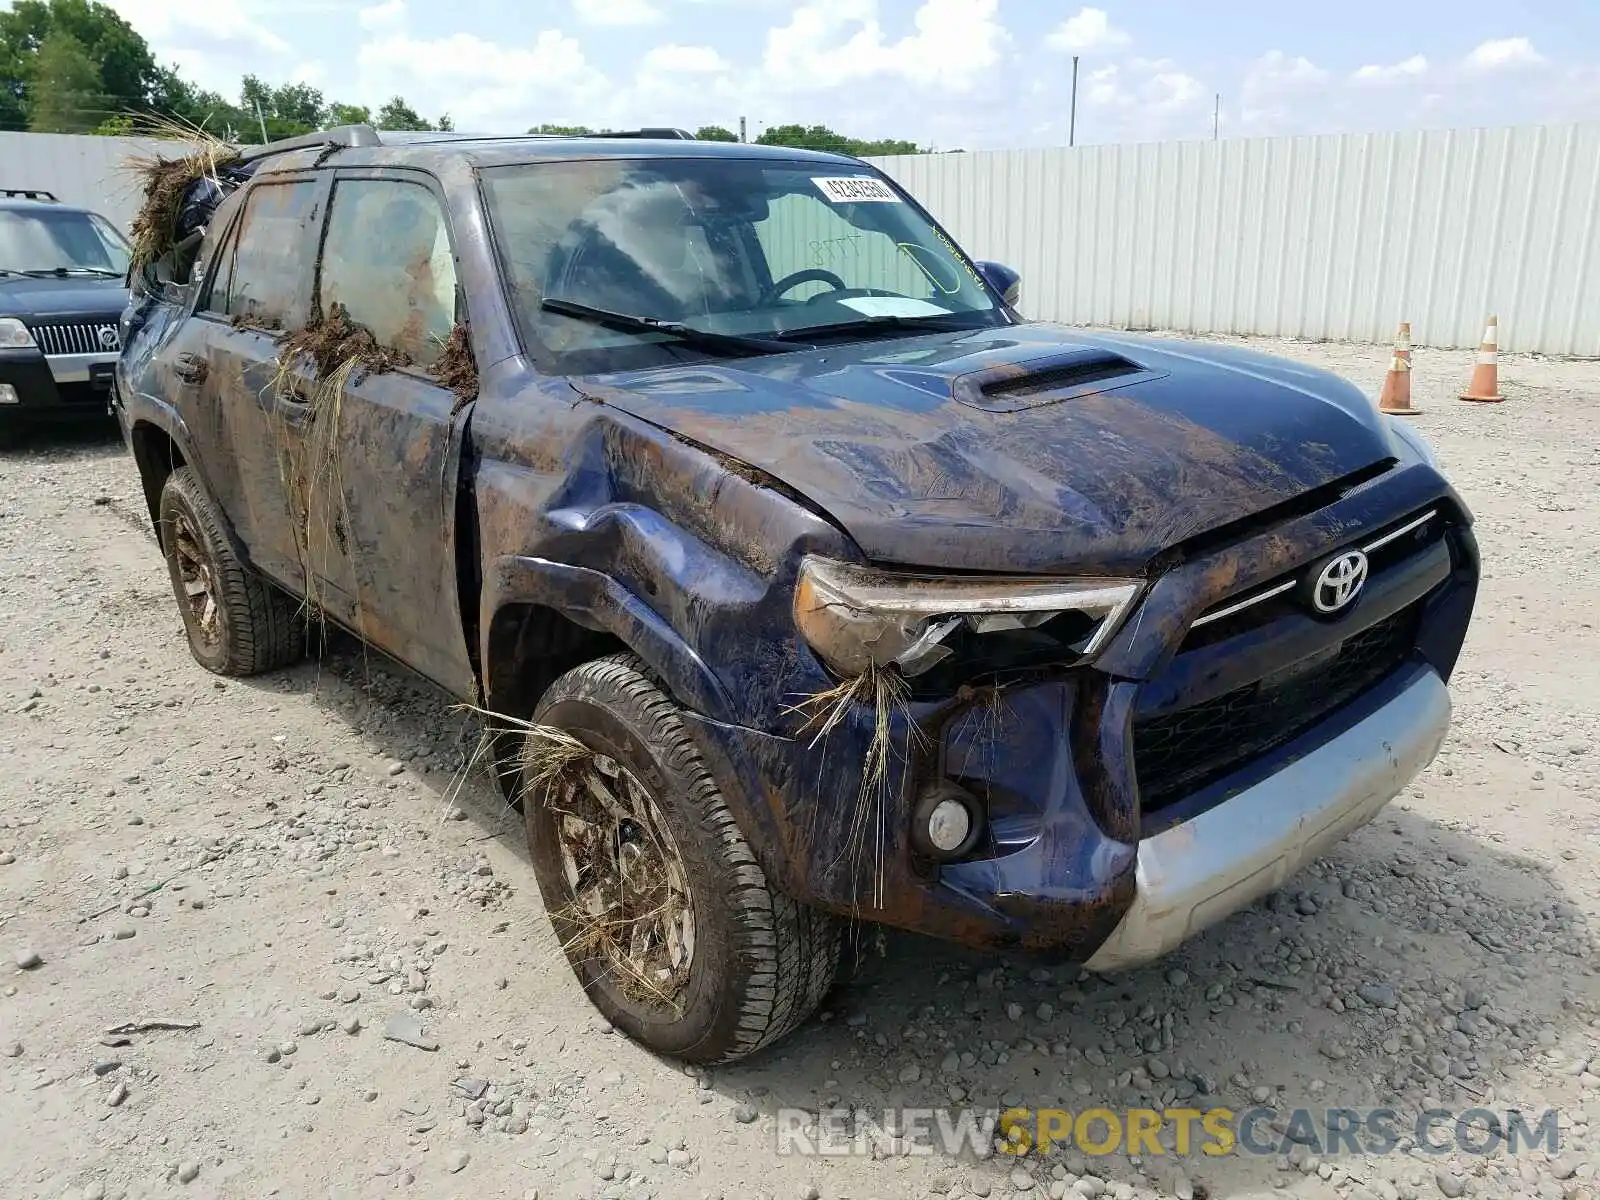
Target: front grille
1178, 753
1386, 549
77, 337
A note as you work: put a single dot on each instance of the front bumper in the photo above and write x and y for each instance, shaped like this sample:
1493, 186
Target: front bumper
1195, 873
1087, 856
56, 386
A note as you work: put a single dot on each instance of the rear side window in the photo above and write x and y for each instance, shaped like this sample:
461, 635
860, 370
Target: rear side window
387, 261
261, 276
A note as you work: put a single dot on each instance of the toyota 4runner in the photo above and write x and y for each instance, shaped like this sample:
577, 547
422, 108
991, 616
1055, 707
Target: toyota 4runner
804, 580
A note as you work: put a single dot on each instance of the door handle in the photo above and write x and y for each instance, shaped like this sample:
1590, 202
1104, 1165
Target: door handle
190, 368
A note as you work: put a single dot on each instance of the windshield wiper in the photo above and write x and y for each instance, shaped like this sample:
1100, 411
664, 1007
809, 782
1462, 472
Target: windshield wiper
702, 338
64, 272
942, 323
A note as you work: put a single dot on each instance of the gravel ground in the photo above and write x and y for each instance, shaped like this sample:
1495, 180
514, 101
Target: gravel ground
280, 867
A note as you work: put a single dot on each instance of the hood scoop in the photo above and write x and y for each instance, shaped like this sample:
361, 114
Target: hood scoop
1014, 387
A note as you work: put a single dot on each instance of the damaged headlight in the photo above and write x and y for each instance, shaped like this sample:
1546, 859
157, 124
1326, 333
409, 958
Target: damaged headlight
858, 617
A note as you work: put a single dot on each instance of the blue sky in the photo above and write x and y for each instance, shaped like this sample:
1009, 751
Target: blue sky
971, 73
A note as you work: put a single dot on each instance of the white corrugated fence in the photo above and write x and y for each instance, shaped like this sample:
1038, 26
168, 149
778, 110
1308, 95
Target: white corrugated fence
79, 168
1339, 236
1336, 237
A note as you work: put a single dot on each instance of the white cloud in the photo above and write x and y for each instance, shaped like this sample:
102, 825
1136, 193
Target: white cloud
1104, 86
1172, 92
387, 15
213, 44
830, 42
1406, 68
222, 24
1142, 99
1503, 52
1088, 29
617, 12
686, 60
1274, 96
920, 69
1275, 73
485, 86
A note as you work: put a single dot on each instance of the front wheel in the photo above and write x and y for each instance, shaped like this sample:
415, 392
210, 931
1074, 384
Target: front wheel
653, 892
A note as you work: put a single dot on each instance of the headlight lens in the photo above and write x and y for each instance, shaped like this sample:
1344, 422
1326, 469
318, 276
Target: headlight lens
858, 617
1412, 437
14, 334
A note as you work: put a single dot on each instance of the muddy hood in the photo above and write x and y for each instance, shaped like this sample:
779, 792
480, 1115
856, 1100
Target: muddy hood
1093, 453
25, 296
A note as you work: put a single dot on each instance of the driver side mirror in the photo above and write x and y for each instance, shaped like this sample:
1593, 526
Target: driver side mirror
1003, 280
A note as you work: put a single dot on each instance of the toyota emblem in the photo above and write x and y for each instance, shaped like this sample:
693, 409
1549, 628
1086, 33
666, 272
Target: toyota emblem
1339, 582
108, 337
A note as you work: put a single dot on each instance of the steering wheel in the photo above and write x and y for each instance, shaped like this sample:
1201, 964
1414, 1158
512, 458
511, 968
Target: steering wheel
810, 275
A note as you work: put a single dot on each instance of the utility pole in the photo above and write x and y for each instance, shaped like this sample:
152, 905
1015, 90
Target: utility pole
1072, 121
263, 121
1216, 117
742, 138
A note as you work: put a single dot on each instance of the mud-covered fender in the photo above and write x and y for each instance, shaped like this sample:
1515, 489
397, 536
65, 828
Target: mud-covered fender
596, 601
145, 412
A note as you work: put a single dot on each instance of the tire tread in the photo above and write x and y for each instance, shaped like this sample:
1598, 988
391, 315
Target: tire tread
790, 951
263, 629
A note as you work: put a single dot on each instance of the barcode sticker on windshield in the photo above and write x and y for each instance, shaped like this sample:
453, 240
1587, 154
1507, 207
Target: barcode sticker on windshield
857, 189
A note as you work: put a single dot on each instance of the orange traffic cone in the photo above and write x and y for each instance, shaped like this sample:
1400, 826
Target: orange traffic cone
1485, 385
1395, 399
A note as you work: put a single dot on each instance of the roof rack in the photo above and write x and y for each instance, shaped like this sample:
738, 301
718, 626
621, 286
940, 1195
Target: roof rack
659, 134
340, 135
29, 194
663, 133
351, 136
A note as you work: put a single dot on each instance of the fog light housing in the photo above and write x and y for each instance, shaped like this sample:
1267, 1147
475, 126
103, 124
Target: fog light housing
8, 394
947, 823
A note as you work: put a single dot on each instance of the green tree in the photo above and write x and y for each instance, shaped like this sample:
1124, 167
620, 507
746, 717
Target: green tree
13, 87
563, 130
886, 147
63, 87
286, 110
446, 124
298, 104
126, 75
397, 114
349, 114
716, 133
820, 137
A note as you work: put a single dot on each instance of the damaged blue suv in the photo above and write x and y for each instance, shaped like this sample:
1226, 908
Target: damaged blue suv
803, 580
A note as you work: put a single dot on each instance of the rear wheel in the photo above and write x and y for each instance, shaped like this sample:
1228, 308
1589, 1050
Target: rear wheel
652, 890
237, 623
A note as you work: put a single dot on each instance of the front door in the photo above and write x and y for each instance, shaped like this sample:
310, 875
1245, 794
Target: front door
388, 452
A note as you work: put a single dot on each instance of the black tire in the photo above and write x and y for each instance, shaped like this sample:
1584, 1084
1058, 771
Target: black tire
249, 626
761, 962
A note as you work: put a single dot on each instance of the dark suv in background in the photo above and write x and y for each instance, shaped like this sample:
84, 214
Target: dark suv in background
62, 272
803, 578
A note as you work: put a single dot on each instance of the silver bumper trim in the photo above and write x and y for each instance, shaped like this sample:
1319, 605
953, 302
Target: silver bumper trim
1196, 873
74, 368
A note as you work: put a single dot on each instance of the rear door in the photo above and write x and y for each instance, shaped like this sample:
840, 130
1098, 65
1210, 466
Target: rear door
388, 263
259, 285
